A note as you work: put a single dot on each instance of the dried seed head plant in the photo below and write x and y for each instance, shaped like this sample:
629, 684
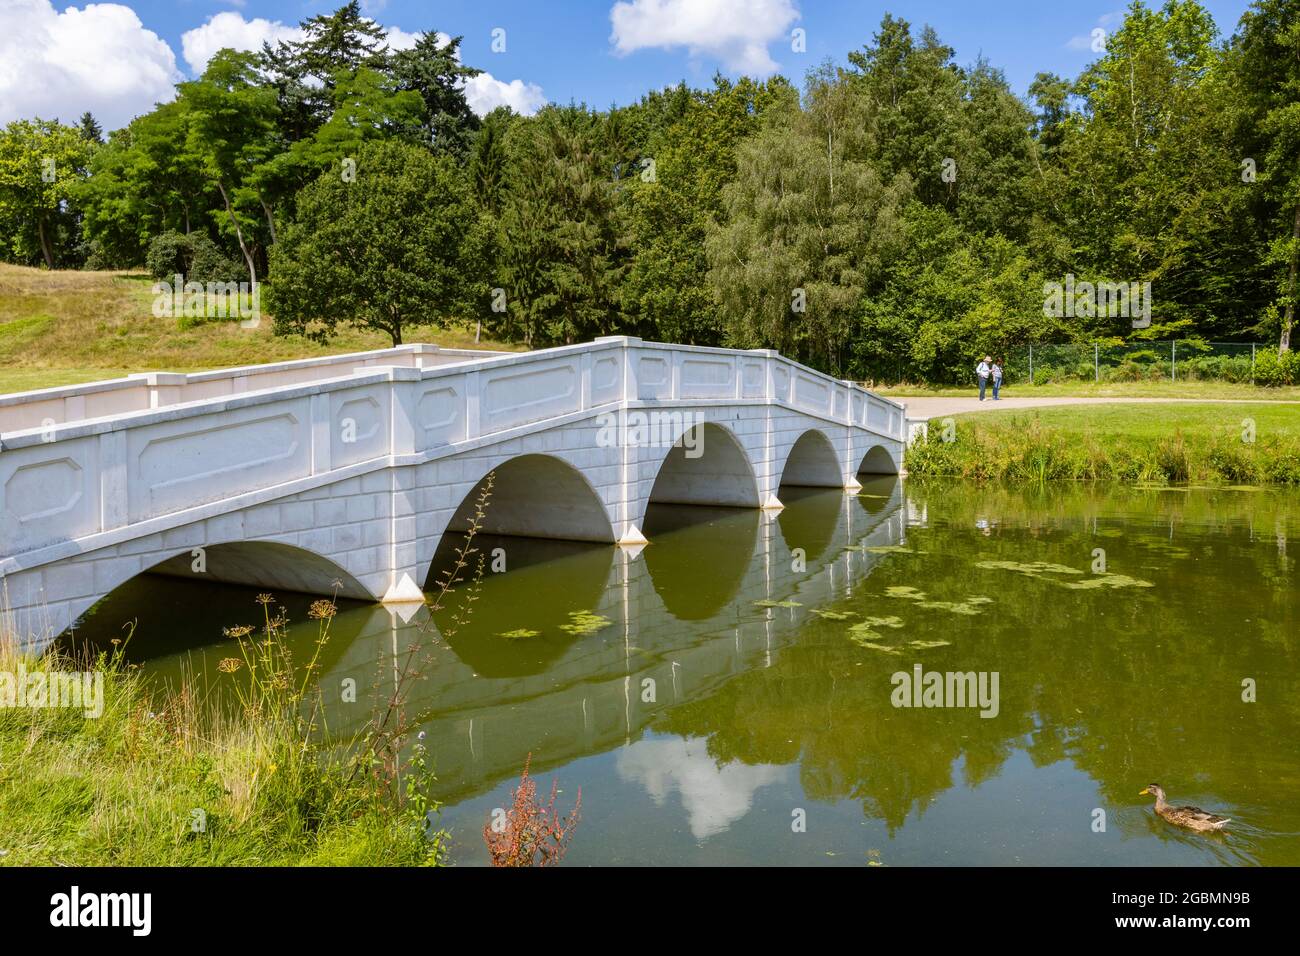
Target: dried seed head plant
532, 834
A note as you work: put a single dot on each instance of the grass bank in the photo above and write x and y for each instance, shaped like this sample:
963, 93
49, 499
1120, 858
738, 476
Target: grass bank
64, 327
1206, 389
1238, 444
163, 778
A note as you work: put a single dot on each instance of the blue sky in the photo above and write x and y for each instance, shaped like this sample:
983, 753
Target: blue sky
118, 57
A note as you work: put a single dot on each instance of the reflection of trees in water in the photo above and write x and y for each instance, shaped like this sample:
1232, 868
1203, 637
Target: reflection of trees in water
1129, 684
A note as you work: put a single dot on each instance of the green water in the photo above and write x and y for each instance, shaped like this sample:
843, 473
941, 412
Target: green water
701, 725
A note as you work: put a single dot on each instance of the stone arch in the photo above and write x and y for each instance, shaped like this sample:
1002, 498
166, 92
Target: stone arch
878, 461
532, 496
537, 496
708, 467
261, 563
812, 463
271, 566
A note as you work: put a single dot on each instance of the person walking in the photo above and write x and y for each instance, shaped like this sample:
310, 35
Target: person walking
995, 373
982, 372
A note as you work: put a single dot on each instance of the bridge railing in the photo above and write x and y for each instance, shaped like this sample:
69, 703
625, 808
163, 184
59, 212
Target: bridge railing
702, 374
189, 456
69, 403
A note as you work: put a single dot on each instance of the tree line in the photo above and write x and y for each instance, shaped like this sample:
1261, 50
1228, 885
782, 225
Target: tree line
895, 207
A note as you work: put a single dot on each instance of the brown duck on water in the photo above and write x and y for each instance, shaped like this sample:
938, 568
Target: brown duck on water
1194, 818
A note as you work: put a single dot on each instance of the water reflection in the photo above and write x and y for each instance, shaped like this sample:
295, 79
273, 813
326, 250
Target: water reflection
517, 594
710, 550
713, 795
722, 682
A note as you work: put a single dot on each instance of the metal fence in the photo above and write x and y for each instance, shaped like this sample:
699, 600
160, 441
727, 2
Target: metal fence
1137, 362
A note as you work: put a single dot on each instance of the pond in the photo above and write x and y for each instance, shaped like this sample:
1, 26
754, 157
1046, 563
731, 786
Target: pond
732, 693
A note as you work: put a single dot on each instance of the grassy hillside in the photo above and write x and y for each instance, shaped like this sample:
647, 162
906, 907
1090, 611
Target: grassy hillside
57, 328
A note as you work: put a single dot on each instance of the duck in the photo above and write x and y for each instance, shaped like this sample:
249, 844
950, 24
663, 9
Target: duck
1193, 818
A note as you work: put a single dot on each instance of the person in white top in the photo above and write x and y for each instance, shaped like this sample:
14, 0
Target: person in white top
982, 371
995, 373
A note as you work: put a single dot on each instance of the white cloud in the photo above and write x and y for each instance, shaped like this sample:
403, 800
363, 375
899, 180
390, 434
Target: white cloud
101, 58
484, 93
231, 30
1108, 23
399, 39
714, 797
98, 57
737, 32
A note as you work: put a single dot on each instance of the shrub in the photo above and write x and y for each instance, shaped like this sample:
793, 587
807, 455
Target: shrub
1137, 367
1274, 369
209, 264
1230, 462
1225, 368
167, 255
194, 256
1283, 468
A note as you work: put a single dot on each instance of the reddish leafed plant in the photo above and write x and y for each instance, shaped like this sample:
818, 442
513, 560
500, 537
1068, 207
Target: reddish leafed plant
532, 833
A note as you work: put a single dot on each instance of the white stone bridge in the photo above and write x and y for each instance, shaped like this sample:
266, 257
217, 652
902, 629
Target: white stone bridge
346, 471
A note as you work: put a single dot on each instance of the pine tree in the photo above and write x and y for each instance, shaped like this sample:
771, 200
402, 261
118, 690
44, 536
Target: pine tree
90, 129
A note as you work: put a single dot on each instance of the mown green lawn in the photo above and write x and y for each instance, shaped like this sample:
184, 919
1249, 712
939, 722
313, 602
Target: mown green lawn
1149, 421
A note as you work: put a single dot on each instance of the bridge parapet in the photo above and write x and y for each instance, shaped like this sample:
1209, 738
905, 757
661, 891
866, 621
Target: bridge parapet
147, 390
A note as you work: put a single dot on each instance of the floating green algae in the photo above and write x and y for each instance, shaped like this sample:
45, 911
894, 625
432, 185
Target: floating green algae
865, 632
953, 607
519, 634
1033, 569
968, 607
834, 615
1107, 581
879, 647
905, 591
777, 604
585, 622
1045, 570
890, 621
